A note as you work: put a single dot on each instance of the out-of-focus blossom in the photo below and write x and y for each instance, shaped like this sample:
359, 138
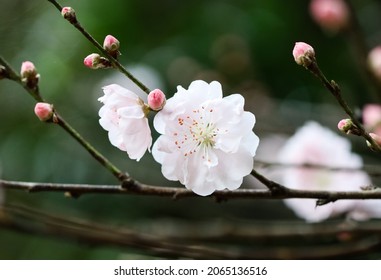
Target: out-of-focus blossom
123, 115
331, 15
374, 62
207, 142
371, 117
315, 145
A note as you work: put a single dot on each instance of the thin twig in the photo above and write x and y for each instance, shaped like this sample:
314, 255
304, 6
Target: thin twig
113, 61
361, 50
34, 92
335, 90
93, 152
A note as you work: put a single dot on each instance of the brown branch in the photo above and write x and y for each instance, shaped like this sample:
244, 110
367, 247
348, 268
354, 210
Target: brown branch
277, 192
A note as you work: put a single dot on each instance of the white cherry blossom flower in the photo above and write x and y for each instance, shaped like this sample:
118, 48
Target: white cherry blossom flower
123, 116
207, 142
315, 145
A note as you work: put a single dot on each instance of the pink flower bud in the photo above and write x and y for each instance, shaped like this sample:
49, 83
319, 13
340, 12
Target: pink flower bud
69, 14
95, 61
92, 60
303, 54
374, 61
29, 74
345, 125
28, 69
156, 100
111, 44
332, 15
44, 111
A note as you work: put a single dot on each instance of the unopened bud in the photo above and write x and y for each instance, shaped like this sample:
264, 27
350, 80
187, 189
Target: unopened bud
156, 100
345, 125
29, 74
69, 14
331, 15
111, 45
44, 111
348, 127
95, 61
304, 54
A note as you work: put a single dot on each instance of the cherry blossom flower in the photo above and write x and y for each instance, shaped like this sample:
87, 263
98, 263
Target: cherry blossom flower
315, 145
207, 142
123, 115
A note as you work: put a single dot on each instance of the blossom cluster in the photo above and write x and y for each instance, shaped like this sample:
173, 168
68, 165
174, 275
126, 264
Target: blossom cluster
207, 140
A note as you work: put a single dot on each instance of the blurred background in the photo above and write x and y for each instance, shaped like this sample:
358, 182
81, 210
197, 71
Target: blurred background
246, 45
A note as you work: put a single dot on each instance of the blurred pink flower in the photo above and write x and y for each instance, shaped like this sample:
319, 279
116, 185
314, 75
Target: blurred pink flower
374, 61
331, 15
207, 142
315, 145
371, 117
123, 115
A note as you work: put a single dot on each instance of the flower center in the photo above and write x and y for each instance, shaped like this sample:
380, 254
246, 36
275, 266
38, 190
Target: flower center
196, 131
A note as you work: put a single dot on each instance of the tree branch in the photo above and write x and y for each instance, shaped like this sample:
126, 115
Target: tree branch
277, 192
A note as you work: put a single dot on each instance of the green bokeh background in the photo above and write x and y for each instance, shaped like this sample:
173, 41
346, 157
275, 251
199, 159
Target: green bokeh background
245, 44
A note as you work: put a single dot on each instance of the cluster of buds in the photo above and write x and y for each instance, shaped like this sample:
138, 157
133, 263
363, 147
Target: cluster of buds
332, 15
95, 61
29, 75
